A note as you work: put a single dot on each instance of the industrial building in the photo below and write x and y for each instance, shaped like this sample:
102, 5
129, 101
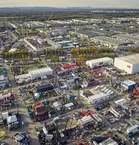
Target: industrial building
30, 45
40, 73
123, 103
109, 141
129, 64
104, 32
132, 130
117, 111
99, 62
85, 34
109, 42
96, 97
44, 88
54, 44
129, 37
128, 85
57, 105
34, 24
103, 141
85, 120
4, 81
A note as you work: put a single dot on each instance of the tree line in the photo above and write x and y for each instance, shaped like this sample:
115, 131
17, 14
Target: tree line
93, 50
24, 54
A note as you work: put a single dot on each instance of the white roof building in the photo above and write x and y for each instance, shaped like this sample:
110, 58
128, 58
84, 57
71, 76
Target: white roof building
86, 119
123, 103
110, 41
35, 73
133, 129
41, 72
129, 82
57, 105
98, 98
134, 38
3, 80
24, 76
129, 64
109, 141
99, 62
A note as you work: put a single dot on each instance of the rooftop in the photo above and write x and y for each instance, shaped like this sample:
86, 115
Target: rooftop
104, 32
88, 33
108, 141
121, 101
132, 59
45, 86
128, 36
129, 82
86, 119
70, 66
100, 60
113, 41
97, 96
39, 70
131, 128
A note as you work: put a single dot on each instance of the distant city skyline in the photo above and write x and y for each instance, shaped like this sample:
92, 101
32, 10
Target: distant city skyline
71, 3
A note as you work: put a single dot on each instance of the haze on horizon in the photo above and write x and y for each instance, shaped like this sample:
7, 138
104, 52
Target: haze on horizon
71, 3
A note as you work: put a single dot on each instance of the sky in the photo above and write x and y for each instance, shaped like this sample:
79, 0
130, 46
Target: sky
71, 3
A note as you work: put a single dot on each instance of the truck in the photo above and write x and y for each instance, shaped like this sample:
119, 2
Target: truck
12, 122
40, 112
39, 109
21, 138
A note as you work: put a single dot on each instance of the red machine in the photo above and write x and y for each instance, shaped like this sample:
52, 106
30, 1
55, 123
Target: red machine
39, 109
40, 112
135, 92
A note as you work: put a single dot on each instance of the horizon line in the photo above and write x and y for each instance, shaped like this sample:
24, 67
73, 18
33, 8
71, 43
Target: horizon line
88, 7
